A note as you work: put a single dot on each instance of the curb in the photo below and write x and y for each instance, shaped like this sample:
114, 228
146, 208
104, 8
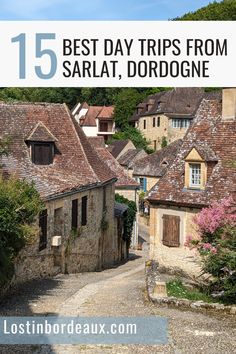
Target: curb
151, 269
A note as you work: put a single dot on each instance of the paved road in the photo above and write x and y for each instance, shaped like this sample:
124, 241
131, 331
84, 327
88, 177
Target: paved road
116, 292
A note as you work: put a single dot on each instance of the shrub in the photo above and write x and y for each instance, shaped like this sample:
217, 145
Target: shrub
217, 247
131, 214
19, 205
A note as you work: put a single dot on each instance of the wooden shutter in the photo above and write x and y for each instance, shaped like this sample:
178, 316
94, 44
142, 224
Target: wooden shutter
43, 221
42, 154
84, 211
74, 214
171, 230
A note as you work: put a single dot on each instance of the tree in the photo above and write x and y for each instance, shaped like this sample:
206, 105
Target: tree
125, 104
139, 141
216, 11
163, 142
52, 95
20, 203
216, 245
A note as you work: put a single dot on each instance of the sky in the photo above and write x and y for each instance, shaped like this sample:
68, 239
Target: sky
97, 9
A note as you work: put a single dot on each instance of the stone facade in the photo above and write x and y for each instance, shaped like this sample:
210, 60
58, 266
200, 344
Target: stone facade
183, 258
92, 248
156, 133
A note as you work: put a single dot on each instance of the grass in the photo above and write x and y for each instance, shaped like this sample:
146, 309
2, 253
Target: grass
176, 288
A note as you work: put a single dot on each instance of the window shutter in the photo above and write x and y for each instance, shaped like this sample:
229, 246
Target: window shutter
84, 211
74, 214
145, 184
43, 221
171, 230
42, 154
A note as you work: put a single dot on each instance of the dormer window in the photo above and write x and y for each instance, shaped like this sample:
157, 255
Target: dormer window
195, 175
42, 145
42, 153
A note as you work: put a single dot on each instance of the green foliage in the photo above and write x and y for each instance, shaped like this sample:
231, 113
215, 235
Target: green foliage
19, 205
163, 142
130, 218
177, 289
48, 94
125, 103
216, 11
222, 265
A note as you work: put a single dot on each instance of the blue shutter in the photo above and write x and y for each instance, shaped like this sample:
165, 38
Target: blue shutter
145, 184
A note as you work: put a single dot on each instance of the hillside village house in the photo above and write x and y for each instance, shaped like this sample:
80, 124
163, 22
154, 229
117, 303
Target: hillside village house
129, 158
151, 168
95, 120
203, 171
50, 149
125, 185
118, 147
167, 114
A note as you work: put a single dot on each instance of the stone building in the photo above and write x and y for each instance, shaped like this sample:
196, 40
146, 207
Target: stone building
118, 147
167, 115
148, 170
125, 185
203, 171
129, 158
95, 120
76, 228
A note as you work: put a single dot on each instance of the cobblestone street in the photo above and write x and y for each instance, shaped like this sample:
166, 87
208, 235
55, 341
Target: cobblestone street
117, 292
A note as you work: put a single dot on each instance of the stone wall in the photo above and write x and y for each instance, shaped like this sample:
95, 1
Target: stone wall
178, 257
90, 248
156, 133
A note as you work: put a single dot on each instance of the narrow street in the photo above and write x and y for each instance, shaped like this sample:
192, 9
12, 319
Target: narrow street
117, 292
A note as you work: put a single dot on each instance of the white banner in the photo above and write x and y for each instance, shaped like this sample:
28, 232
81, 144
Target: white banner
117, 54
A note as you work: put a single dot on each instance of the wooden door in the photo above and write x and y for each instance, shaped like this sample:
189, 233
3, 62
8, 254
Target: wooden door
171, 230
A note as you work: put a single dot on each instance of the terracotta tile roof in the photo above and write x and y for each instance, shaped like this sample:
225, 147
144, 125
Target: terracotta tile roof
95, 112
41, 133
89, 120
117, 146
209, 132
76, 165
178, 102
129, 158
106, 113
156, 164
122, 179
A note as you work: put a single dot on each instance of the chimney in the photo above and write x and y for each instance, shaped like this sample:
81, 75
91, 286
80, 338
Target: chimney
229, 104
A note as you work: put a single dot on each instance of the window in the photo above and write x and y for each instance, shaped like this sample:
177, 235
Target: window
103, 127
43, 221
42, 153
84, 211
154, 122
74, 214
144, 124
104, 205
154, 144
158, 121
195, 175
180, 123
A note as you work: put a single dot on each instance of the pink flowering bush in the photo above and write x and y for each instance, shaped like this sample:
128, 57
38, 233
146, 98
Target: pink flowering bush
216, 244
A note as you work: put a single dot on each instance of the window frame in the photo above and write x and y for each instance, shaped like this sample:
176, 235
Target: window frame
192, 168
